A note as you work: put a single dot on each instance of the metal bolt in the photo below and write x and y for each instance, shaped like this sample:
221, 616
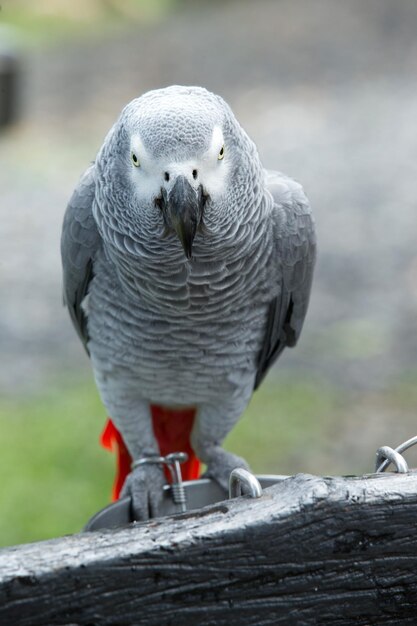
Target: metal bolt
173, 461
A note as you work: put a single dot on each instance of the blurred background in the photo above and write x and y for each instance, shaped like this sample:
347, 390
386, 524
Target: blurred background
328, 92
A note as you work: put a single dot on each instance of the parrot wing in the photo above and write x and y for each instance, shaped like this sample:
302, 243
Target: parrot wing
79, 242
295, 250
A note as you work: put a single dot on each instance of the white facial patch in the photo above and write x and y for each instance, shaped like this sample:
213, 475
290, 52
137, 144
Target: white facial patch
137, 148
149, 174
214, 170
217, 142
146, 174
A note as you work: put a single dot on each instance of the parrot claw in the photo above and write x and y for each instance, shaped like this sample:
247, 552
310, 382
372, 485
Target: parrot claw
221, 464
145, 485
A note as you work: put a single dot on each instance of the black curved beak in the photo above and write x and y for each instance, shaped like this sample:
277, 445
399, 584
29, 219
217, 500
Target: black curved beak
183, 208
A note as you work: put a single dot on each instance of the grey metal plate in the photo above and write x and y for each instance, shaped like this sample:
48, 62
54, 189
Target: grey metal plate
200, 493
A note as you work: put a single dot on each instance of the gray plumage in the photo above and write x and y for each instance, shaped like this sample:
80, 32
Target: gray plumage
160, 327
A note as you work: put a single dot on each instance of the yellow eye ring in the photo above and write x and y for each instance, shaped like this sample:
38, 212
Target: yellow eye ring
135, 160
221, 154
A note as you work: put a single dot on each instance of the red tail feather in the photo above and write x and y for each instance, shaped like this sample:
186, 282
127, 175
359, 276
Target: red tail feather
172, 428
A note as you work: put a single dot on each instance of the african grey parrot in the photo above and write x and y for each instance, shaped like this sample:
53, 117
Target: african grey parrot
187, 271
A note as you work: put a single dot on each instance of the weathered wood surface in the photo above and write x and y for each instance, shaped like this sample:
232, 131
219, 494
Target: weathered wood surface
310, 551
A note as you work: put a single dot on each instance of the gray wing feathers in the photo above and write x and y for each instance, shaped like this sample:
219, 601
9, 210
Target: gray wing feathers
79, 243
295, 250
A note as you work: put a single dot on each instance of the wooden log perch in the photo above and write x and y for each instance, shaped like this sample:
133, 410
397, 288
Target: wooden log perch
311, 550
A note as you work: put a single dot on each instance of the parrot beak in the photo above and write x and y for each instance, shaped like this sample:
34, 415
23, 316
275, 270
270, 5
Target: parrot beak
183, 208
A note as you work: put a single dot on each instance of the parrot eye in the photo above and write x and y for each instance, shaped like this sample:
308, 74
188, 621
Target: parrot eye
221, 153
135, 160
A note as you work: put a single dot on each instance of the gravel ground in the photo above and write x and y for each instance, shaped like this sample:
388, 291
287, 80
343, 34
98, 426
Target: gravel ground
328, 92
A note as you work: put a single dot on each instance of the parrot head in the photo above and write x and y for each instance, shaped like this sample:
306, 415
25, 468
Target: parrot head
181, 156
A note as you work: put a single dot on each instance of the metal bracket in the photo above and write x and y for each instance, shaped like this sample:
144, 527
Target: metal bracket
242, 481
386, 455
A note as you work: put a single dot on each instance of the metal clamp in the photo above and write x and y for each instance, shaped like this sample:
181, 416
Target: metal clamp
172, 462
243, 481
387, 455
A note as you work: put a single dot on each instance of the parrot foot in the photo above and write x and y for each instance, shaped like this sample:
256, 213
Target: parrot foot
145, 487
220, 465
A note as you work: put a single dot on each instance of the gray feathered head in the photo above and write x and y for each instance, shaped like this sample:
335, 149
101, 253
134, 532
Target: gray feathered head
178, 164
